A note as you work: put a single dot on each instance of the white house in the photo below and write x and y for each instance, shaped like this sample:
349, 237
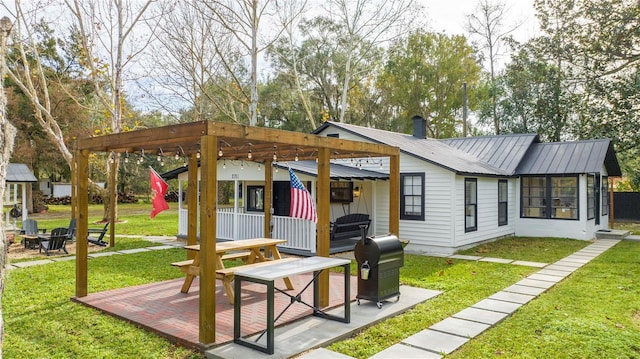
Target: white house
454, 193
458, 192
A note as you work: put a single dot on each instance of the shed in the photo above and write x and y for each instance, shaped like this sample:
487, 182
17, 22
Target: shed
19, 176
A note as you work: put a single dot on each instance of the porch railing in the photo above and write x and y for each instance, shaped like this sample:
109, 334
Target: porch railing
300, 234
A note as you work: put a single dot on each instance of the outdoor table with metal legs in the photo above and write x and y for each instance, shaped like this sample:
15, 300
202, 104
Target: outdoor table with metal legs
267, 275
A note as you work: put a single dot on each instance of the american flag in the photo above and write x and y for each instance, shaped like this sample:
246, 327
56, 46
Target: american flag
301, 202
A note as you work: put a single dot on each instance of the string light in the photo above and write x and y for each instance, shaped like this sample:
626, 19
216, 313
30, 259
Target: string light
242, 165
220, 152
126, 156
249, 155
224, 164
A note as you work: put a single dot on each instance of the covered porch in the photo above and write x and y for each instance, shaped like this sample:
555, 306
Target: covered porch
240, 214
208, 143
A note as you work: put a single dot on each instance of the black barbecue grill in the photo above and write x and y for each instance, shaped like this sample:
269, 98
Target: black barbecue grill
379, 260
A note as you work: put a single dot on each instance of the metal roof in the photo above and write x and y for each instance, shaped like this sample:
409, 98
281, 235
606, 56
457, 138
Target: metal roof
570, 158
504, 151
430, 150
336, 171
502, 155
19, 172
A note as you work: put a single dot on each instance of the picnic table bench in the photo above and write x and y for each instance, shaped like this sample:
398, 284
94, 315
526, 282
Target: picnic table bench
253, 252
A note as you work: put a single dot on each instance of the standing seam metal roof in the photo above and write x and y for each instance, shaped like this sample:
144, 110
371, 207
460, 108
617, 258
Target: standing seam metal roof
570, 158
503, 155
429, 150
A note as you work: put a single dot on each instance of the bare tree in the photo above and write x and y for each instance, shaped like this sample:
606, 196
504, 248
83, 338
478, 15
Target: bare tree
375, 22
111, 39
487, 22
186, 65
6, 147
242, 19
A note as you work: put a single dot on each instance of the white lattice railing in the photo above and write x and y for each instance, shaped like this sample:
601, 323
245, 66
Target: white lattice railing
300, 234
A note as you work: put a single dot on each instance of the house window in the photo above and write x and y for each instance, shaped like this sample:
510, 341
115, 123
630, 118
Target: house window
470, 204
591, 197
605, 195
503, 193
534, 197
255, 198
550, 197
412, 196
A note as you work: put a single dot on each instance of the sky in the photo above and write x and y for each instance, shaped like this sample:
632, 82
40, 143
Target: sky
450, 16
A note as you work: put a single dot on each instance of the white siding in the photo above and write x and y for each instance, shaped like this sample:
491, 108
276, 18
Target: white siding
487, 217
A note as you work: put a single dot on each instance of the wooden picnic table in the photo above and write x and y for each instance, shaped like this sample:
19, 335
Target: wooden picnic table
254, 252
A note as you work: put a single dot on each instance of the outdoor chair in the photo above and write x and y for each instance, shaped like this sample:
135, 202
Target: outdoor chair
30, 233
71, 231
98, 238
57, 241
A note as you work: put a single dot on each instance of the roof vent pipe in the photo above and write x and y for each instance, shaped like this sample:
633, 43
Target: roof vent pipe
419, 127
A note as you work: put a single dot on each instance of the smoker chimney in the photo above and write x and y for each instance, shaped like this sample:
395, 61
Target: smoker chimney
419, 127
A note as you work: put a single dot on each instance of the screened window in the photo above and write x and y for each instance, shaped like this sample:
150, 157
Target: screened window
550, 197
591, 197
412, 196
470, 204
503, 193
605, 195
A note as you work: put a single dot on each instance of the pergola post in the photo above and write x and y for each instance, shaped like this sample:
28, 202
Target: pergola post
208, 198
74, 185
113, 193
268, 193
394, 195
82, 224
192, 204
323, 228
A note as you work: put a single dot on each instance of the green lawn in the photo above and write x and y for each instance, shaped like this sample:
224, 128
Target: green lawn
592, 314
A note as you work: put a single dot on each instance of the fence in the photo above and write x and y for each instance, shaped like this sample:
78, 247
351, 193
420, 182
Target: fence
626, 205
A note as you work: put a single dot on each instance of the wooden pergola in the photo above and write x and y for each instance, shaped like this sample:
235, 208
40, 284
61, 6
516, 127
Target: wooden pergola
207, 142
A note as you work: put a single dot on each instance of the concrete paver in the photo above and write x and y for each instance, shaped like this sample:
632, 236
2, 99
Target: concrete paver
497, 305
322, 353
546, 278
568, 264
530, 264
560, 268
461, 327
469, 258
32, 263
553, 272
402, 351
496, 260
536, 283
523, 289
481, 315
436, 342
103, 254
512, 297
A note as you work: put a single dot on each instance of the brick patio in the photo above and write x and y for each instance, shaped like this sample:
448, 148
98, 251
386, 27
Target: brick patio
161, 308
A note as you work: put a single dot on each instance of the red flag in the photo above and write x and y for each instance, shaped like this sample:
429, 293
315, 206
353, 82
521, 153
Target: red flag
158, 190
302, 205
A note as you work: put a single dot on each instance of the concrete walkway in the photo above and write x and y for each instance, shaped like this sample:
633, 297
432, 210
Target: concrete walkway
453, 332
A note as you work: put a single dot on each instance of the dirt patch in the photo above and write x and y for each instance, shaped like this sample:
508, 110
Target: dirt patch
17, 251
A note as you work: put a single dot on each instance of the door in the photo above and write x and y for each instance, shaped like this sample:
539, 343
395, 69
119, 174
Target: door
281, 198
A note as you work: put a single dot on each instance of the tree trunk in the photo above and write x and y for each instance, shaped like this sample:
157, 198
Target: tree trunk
6, 147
